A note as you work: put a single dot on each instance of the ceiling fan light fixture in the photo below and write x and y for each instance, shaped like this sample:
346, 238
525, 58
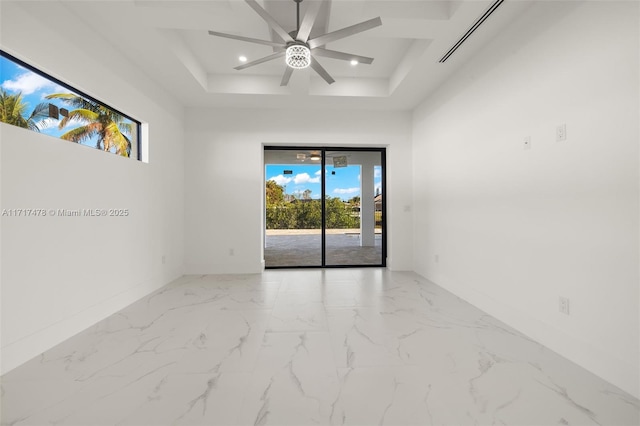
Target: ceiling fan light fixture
315, 157
298, 56
296, 45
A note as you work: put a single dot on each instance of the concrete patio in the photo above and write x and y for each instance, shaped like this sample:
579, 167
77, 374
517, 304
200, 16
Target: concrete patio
302, 247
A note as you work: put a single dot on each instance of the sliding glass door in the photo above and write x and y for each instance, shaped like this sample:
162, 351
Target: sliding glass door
353, 208
293, 210
324, 207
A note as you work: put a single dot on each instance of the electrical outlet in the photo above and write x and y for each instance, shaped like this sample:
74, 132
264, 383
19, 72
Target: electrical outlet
561, 133
527, 142
564, 305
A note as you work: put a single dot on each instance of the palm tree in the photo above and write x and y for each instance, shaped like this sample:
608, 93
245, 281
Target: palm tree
97, 120
13, 110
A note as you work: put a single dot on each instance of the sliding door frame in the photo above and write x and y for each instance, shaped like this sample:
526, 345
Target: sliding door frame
323, 150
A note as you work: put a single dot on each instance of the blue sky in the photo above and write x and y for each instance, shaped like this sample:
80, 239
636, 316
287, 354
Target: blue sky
345, 183
15, 78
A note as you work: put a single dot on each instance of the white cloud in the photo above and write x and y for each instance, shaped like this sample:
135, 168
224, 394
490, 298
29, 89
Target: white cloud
377, 172
318, 173
281, 180
298, 179
305, 178
345, 191
30, 82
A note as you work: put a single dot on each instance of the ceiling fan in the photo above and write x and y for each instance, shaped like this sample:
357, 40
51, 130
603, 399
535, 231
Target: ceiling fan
297, 48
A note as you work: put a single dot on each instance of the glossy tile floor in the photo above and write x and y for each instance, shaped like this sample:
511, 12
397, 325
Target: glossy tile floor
333, 347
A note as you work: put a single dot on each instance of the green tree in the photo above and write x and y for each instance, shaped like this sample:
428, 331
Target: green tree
13, 111
308, 214
97, 120
274, 193
280, 216
338, 215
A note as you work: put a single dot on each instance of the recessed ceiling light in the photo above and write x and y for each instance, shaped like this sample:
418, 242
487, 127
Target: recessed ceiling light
242, 58
354, 62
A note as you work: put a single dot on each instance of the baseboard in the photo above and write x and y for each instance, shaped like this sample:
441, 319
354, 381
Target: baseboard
18, 352
226, 268
587, 356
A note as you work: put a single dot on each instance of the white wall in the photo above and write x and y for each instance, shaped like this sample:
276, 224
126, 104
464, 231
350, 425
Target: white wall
515, 229
224, 177
60, 275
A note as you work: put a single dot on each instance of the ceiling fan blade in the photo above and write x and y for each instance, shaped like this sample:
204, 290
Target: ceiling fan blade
341, 55
345, 32
250, 40
261, 60
321, 71
308, 21
269, 20
287, 75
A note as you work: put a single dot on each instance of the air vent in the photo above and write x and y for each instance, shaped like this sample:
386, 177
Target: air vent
473, 28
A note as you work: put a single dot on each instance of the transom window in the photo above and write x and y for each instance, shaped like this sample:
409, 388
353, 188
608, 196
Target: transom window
31, 99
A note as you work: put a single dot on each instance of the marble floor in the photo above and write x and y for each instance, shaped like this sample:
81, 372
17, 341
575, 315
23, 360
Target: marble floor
306, 347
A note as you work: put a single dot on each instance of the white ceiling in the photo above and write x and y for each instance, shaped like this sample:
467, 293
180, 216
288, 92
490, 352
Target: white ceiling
168, 40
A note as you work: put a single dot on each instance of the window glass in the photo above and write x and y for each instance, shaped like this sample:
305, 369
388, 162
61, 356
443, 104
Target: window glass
33, 100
